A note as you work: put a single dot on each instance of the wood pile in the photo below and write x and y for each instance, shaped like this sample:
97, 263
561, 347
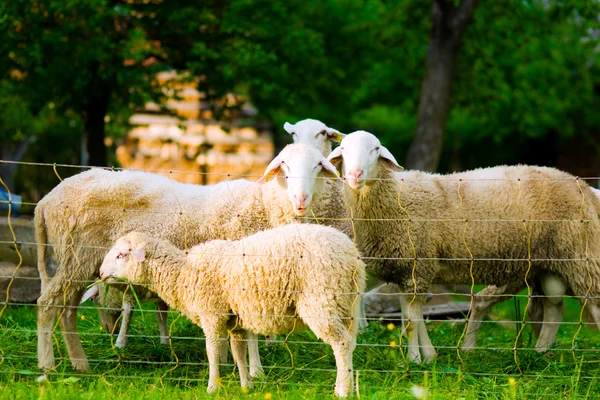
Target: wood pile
187, 139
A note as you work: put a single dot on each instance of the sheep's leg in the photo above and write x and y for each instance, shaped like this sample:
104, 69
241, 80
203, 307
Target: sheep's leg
45, 327
594, 313
554, 288
256, 369
223, 352
127, 311
214, 337
343, 360
68, 326
108, 320
238, 350
482, 304
161, 317
427, 348
411, 329
553, 314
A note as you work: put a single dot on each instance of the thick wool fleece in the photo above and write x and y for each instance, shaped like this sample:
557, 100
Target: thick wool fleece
263, 281
540, 212
273, 282
94, 208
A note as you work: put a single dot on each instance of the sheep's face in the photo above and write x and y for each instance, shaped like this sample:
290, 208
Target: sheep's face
361, 154
121, 261
300, 170
314, 133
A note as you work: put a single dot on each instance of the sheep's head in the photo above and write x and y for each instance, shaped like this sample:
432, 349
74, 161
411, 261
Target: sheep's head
122, 260
314, 133
300, 170
361, 154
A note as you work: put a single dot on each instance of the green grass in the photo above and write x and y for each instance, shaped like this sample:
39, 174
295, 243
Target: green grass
489, 373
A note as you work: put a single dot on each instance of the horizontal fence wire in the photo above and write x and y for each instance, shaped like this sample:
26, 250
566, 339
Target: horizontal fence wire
386, 338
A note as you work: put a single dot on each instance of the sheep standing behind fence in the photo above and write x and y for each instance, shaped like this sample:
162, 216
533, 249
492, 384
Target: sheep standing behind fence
497, 226
273, 282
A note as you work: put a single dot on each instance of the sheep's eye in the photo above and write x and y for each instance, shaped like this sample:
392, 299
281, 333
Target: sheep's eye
119, 256
323, 132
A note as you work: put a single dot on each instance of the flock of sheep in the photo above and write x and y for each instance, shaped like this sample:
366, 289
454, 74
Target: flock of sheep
243, 258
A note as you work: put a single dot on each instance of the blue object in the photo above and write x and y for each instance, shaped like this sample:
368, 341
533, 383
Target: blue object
15, 202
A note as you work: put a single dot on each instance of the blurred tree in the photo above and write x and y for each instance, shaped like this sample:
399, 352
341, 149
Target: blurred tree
448, 24
92, 57
526, 81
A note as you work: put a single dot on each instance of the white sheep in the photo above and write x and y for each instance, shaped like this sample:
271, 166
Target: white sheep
314, 133
273, 282
545, 305
84, 213
493, 226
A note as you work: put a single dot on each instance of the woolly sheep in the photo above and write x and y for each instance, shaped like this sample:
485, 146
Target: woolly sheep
314, 133
85, 212
546, 299
273, 282
416, 229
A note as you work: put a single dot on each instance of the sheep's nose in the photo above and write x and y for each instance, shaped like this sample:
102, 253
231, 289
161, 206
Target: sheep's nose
300, 200
101, 274
356, 174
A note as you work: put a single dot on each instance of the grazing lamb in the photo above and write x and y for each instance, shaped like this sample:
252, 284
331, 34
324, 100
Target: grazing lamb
273, 282
84, 213
494, 226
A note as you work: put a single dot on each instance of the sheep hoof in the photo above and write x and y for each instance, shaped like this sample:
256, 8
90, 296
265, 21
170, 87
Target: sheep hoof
257, 372
212, 388
469, 348
121, 344
80, 365
164, 340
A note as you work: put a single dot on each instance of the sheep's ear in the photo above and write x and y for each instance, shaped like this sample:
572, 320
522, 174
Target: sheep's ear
91, 292
389, 158
139, 254
289, 128
335, 156
334, 135
272, 169
330, 169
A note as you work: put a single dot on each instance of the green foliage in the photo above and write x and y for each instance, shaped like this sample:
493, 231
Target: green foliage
527, 70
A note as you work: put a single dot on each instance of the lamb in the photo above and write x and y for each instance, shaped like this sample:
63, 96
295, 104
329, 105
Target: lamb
273, 282
85, 212
493, 226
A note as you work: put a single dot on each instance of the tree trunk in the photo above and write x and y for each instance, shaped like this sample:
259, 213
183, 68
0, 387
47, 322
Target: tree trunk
447, 29
94, 114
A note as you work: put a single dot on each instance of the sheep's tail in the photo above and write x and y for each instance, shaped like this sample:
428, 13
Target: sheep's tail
41, 240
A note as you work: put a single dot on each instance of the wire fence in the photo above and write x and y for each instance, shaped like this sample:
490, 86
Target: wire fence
383, 347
